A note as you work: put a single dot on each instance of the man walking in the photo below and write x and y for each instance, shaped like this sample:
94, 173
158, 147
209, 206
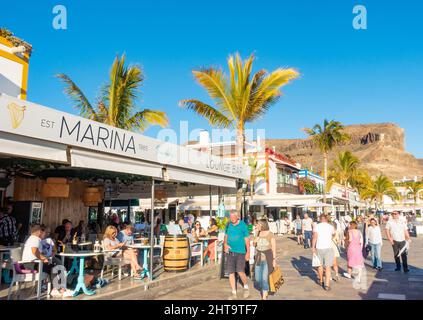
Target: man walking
397, 233
307, 230
237, 249
322, 246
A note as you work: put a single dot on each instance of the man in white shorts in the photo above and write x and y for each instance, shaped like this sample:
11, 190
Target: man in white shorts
322, 246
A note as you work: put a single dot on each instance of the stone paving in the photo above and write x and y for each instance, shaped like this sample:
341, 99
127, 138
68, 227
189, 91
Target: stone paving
300, 279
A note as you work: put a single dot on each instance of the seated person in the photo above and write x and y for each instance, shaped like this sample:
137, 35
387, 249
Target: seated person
127, 235
212, 232
198, 231
66, 235
49, 248
183, 225
111, 243
33, 251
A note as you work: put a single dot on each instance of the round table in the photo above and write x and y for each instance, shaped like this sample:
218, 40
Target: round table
145, 272
81, 255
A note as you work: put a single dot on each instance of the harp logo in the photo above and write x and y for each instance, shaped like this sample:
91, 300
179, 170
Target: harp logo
17, 113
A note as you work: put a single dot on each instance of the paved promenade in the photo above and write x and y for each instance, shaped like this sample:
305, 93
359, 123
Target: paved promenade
300, 279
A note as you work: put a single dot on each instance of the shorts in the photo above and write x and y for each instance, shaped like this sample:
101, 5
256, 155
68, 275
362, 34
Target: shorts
236, 262
326, 257
298, 232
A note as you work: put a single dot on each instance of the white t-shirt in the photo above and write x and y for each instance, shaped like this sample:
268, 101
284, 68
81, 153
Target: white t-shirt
397, 229
374, 235
308, 224
31, 242
324, 232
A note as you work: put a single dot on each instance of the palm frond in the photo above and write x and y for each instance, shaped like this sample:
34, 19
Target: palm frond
143, 119
77, 96
216, 84
214, 116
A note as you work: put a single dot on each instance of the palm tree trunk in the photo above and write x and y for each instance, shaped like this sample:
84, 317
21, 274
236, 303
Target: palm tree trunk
240, 153
325, 177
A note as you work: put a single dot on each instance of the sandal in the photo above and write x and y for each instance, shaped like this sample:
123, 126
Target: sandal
327, 288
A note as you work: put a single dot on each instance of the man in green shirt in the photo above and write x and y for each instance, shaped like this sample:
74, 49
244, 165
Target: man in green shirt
237, 249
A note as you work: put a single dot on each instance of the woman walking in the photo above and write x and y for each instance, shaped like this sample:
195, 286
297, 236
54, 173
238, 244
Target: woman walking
335, 246
354, 251
374, 239
265, 258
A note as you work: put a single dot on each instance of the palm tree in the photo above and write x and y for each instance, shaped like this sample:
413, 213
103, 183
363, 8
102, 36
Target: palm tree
413, 189
115, 105
256, 171
380, 187
240, 98
326, 137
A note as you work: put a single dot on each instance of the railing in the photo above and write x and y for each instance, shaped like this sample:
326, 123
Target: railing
287, 188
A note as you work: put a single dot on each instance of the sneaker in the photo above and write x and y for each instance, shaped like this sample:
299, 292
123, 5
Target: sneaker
406, 270
68, 293
138, 277
55, 293
347, 275
233, 296
397, 269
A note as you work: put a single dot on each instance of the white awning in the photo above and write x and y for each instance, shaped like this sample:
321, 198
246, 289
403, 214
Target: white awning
203, 203
102, 161
178, 174
316, 205
26, 147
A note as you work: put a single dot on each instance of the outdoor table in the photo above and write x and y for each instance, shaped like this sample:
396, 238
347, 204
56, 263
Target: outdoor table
3, 250
81, 255
145, 272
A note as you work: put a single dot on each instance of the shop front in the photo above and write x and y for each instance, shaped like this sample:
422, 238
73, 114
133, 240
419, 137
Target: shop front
64, 166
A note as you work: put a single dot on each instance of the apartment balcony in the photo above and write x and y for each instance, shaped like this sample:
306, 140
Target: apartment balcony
287, 188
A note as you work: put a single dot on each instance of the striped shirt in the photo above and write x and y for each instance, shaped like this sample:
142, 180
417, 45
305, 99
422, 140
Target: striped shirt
8, 227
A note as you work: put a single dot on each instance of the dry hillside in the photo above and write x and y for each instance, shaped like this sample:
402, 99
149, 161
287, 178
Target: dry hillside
380, 148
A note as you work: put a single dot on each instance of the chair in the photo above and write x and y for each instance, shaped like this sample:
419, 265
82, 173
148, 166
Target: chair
194, 252
160, 245
26, 275
113, 262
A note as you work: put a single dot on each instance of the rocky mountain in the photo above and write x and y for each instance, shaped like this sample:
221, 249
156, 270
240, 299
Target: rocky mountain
380, 148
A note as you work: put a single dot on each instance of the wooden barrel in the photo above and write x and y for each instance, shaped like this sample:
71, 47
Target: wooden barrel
176, 253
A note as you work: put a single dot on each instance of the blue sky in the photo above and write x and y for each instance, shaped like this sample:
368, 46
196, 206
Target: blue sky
348, 75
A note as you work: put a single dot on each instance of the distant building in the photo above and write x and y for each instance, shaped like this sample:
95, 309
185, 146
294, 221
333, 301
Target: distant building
406, 201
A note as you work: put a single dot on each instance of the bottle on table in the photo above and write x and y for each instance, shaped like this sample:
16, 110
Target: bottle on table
97, 247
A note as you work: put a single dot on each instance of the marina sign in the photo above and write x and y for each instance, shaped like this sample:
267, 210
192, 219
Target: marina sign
28, 119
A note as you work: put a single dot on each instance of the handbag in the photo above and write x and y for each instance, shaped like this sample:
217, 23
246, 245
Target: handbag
276, 279
316, 261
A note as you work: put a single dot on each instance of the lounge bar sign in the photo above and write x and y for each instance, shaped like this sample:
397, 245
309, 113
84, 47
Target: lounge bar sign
32, 120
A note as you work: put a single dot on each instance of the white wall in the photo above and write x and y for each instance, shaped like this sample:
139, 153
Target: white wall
11, 74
